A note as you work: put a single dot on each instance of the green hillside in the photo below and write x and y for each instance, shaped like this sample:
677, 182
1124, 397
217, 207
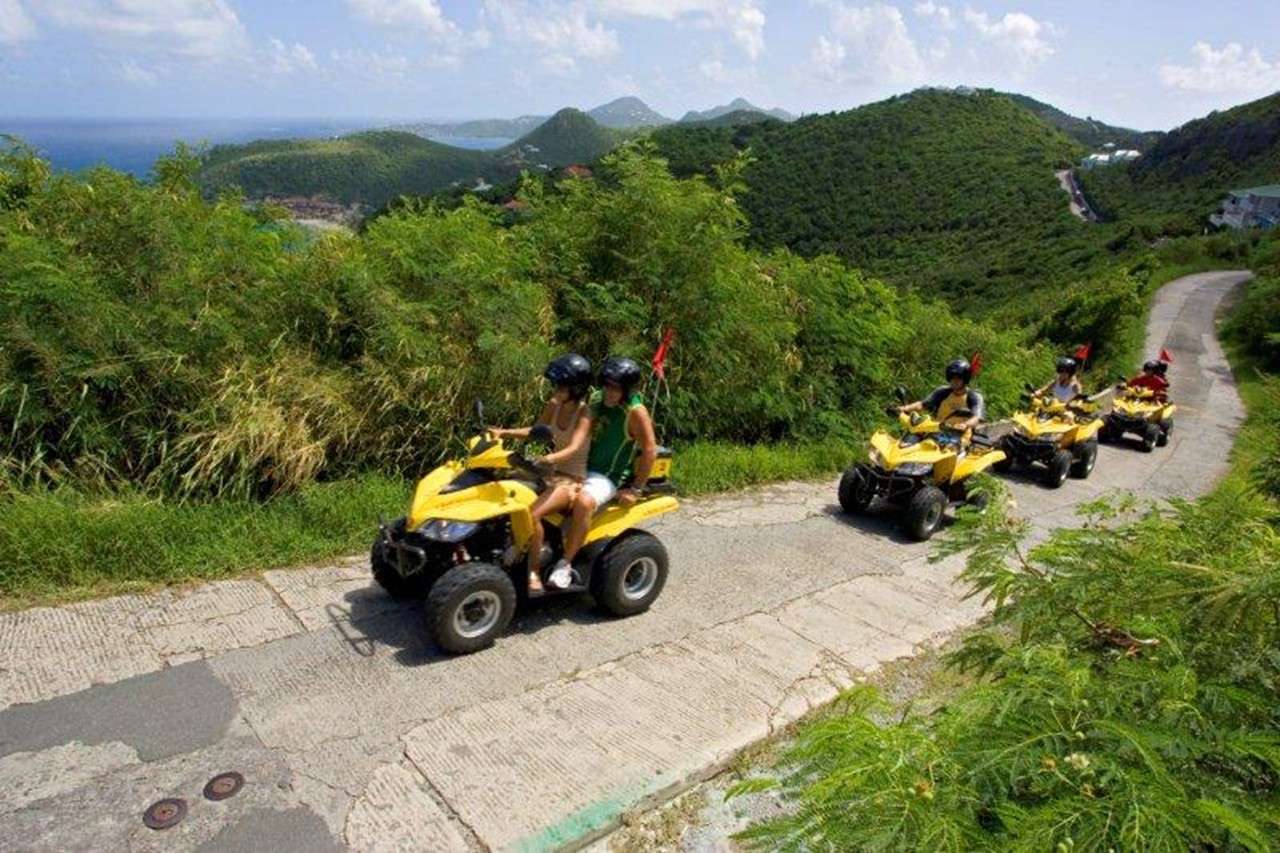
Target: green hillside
1183, 178
1088, 131
696, 148
949, 193
374, 167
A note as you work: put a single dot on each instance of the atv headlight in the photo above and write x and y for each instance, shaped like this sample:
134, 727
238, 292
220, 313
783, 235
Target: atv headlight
443, 530
914, 469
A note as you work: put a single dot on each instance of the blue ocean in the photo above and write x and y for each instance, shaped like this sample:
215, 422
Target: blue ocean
133, 145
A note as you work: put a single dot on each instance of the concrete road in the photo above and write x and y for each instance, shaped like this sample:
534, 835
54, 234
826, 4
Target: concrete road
352, 731
1079, 206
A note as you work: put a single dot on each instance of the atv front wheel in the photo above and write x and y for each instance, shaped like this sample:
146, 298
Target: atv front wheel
386, 573
1150, 437
1005, 465
1082, 467
1165, 429
1104, 433
630, 575
923, 515
1055, 472
855, 492
469, 607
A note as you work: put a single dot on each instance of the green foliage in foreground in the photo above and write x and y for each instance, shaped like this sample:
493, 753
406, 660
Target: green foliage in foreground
1131, 701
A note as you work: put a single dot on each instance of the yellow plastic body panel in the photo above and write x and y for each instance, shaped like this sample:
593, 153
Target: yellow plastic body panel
948, 465
616, 518
1071, 424
661, 469
1140, 403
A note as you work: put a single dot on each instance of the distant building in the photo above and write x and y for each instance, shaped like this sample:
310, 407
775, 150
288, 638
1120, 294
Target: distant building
577, 171
481, 185
1093, 161
1256, 207
515, 205
1124, 155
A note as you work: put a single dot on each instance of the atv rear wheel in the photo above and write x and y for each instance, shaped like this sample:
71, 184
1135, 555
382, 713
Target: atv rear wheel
855, 492
386, 573
1150, 438
1165, 429
923, 515
469, 607
1057, 469
630, 575
1087, 457
1105, 434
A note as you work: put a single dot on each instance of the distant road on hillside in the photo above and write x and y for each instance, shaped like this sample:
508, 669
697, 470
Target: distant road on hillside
1079, 206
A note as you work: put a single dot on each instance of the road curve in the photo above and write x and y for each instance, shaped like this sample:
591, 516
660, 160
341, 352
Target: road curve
352, 732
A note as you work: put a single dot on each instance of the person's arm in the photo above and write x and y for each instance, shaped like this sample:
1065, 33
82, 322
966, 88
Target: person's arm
1043, 389
640, 427
978, 407
908, 408
581, 433
523, 432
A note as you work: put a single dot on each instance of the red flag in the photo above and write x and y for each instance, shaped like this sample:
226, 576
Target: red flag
975, 363
1165, 356
660, 356
1082, 352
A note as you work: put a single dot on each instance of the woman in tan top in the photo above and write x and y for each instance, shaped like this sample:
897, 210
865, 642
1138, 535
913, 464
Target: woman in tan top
569, 418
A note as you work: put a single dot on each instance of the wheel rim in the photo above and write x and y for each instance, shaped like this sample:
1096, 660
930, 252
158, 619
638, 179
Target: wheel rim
639, 578
476, 615
1090, 461
933, 516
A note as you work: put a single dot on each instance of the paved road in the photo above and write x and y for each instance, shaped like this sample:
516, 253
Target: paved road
353, 732
1078, 204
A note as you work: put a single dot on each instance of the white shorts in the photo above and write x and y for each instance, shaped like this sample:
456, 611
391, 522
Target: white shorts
600, 488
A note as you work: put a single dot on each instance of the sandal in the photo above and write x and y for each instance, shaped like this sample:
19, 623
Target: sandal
535, 585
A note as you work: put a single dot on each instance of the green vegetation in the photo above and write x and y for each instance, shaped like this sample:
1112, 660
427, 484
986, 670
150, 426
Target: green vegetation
1127, 687
375, 167
165, 360
737, 105
1184, 177
1089, 132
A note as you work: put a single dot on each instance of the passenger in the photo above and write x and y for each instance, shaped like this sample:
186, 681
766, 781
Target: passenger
1066, 387
620, 425
953, 397
568, 416
1151, 379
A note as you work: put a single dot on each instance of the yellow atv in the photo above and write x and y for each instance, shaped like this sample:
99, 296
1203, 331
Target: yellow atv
1063, 437
921, 473
1142, 412
462, 544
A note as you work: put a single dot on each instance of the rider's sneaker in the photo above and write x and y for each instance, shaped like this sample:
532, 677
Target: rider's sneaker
561, 575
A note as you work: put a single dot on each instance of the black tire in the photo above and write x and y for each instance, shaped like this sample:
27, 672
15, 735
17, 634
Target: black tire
1057, 469
1086, 459
1005, 465
1150, 438
1165, 429
386, 573
978, 500
469, 607
1105, 434
924, 512
855, 493
630, 575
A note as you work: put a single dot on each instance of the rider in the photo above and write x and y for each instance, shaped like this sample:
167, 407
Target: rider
568, 415
1067, 386
621, 424
952, 397
1151, 378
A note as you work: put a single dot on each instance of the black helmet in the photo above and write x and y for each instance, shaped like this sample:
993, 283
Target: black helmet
570, 371
961, 368
1068, 365
621, 371
1162, 367
1151, 367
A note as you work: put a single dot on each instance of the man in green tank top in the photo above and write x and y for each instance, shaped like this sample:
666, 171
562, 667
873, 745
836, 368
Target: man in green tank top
620, 425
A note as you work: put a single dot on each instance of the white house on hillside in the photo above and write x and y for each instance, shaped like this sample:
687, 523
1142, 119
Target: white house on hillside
1111, 158
1256, 207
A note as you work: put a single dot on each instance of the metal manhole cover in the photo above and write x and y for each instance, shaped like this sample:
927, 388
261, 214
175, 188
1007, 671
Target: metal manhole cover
163, 814
223, 785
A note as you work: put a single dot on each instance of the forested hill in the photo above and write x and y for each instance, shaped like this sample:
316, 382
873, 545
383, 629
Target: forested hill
1088, 131
950, 193
1184, 176
374, 167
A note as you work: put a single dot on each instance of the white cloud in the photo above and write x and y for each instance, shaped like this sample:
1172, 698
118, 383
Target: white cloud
937, 12
744, 20
561, 36
15, 24
1017, 33
370, 66
868, 43
131, 72
1232, 69
422, 15
197, 29
287, 59
714, 70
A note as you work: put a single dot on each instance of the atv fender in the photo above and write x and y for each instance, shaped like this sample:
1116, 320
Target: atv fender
480, 503
1083, 432
615, 519
974, 463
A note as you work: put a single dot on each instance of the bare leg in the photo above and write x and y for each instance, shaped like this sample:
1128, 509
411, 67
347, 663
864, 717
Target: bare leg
557, 499
583, 508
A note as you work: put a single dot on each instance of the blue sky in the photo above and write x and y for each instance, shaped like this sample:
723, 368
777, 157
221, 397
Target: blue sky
1139, 63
